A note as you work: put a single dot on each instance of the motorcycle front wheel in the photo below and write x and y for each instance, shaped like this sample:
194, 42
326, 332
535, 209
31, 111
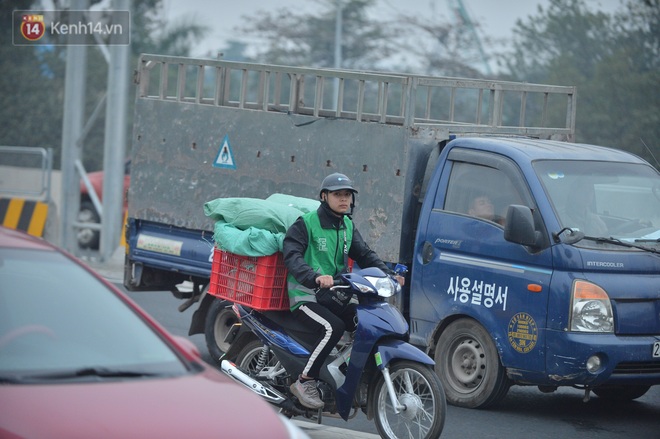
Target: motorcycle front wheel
418, 388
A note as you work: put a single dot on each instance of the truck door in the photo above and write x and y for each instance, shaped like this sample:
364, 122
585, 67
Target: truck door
468, 270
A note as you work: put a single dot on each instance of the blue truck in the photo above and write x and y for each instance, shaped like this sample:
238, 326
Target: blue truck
533, 260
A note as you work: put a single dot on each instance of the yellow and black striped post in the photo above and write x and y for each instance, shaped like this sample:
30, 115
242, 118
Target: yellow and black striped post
26, 215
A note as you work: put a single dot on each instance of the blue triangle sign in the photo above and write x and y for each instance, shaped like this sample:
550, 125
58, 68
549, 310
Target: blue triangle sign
225, 158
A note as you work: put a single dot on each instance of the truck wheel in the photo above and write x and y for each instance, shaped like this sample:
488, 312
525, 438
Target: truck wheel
621, 393
420, 391
469, 366
219, 319
88, 238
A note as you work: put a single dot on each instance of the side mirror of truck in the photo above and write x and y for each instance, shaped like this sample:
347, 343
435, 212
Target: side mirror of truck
520, 226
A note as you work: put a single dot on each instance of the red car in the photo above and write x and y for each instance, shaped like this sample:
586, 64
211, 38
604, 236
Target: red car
87, 237
79, 359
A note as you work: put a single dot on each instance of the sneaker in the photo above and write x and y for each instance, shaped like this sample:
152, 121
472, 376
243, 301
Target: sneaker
307, 394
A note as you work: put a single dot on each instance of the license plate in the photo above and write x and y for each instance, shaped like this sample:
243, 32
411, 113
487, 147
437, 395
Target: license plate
656, 349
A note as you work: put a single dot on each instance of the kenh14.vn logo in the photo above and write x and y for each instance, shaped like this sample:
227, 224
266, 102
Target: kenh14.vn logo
32, 27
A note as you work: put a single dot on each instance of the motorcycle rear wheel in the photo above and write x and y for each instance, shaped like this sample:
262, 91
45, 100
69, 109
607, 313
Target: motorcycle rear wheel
248, 358
419, 388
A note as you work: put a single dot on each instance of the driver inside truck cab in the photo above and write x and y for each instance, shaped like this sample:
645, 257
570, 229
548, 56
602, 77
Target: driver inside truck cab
482, 207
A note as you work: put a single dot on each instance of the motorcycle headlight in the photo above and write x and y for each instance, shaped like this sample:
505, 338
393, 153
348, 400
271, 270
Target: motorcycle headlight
591, 310
364, 288
384, 285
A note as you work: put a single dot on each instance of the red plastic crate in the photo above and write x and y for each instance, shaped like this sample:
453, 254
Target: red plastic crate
258, 282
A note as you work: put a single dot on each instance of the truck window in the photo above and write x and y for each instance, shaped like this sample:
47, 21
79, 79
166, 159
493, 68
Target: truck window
480, 191
604, 199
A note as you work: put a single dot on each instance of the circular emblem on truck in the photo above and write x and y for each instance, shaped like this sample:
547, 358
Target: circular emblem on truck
523, 332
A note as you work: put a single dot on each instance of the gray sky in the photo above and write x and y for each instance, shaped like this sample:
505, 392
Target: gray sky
496, 17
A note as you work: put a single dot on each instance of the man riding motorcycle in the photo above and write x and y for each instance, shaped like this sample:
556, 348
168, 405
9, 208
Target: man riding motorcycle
316, 248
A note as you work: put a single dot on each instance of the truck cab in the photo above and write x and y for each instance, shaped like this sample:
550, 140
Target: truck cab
548, 294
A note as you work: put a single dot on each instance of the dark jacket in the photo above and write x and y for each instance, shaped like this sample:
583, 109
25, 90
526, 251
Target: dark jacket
296, 242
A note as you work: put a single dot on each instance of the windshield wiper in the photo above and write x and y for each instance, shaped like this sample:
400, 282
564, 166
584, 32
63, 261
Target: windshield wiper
568, 236
647, 240
616, 241
102, 372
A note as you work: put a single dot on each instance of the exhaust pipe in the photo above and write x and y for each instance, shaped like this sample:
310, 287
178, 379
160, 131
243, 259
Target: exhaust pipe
265, 391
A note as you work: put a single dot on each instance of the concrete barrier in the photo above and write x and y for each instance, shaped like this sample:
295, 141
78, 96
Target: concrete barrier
27, 215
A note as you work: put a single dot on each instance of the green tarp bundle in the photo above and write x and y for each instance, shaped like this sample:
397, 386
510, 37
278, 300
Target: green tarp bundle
252, 226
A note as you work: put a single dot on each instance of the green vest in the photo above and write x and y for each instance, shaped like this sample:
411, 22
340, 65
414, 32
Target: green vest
324, 253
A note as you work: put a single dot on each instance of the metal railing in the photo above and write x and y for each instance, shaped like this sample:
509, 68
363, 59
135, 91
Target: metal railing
465, 105
27, 173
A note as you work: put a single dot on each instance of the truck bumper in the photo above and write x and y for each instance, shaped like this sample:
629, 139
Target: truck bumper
169, 248
620, 359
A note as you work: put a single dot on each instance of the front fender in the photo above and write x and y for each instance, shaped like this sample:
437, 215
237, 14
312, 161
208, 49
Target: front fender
397, 349
389, 350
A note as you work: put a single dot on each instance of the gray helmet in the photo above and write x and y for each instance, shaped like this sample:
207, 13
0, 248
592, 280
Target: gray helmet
336, 182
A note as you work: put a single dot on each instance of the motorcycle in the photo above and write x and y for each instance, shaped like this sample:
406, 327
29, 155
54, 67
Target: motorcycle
373, 369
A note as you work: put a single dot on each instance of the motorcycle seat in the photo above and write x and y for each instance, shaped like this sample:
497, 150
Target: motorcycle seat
295, 329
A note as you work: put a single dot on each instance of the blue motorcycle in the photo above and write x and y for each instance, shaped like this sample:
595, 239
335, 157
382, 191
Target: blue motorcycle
373, 369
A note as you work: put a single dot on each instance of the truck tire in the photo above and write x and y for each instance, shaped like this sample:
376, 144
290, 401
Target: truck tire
469, 367
219, 319
620, 393
88, 238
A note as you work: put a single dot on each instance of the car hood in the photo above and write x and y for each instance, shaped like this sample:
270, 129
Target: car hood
202, 405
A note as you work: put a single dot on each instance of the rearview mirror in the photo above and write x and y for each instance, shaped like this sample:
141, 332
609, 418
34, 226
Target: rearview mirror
519, 226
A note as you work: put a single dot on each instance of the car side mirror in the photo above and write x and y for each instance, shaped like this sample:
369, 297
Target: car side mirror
519, 226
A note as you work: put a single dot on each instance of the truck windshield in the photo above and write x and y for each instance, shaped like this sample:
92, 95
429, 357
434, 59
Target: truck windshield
604, 199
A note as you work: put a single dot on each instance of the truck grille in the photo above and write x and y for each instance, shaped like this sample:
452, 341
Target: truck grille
637, 368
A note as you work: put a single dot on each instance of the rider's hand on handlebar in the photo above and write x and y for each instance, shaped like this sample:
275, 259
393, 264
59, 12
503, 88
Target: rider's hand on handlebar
325, 281
400, 279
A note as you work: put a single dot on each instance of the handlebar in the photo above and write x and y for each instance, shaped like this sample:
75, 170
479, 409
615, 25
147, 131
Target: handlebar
401, 269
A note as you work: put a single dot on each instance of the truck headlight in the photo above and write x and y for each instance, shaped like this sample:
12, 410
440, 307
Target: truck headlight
591, 310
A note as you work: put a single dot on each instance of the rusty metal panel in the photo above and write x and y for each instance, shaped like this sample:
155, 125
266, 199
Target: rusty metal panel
175, 146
